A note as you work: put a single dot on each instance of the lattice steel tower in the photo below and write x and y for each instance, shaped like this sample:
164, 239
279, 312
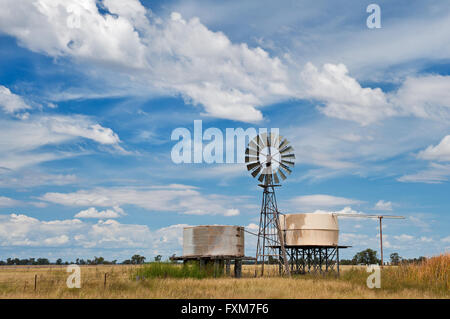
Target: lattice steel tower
267, 158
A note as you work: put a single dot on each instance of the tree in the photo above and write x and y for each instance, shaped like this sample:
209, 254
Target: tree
137, 259
59, 261
366, 257
395, 258
43, 261
158, 258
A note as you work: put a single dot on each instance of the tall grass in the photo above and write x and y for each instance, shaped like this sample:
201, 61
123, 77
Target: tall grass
433, 274
170, 270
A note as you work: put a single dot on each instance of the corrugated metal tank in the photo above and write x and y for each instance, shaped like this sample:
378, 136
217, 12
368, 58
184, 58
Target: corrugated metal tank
310, 229
213, 240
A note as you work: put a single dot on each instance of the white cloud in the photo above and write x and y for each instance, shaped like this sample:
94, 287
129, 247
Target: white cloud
22, 230
232, 212
172, 198
172, 55
345, 210
321, 201
425, 96
383, 205
446, 239
80, 126
8, 202
343, 96
440, 152
92, 212
32, 178
434, 174
10, 102
56, 241
403, 237
426, 239
252, 227
32, 134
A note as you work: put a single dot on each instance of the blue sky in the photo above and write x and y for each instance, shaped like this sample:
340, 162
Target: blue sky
91, 91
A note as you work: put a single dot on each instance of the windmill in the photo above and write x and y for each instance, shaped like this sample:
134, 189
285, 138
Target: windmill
269, 157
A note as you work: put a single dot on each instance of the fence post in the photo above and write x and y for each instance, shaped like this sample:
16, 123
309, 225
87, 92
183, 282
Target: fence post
35, 282
104, 282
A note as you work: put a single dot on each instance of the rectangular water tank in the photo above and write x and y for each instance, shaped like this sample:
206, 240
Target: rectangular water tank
213, 240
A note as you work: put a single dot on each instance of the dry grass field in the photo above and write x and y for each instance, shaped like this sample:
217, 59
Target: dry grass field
428, 280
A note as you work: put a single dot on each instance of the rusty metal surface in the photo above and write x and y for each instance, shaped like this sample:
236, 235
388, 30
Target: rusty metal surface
213, 240
310, 229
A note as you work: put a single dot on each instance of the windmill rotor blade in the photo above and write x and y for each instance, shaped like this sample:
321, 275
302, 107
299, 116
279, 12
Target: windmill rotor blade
253, 145
276, 140
249, 159
251, 152
288, 156
261, 177
256, 171
291, 164
286, 168
277, 181
286, 149
283, 144
281, 174
253, 165
263, 140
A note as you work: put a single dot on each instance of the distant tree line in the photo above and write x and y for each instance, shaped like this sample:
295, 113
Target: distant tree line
369, 257
365, 257
134, 260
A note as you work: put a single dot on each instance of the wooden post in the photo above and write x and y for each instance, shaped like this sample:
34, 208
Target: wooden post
237, 268
381, 240
104, 282
35, 282
228, 267
337, 259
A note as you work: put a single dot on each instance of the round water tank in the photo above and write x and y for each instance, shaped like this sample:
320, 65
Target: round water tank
213, 240
310, 229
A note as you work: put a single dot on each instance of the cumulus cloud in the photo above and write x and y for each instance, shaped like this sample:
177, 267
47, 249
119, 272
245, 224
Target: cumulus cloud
92, 212
440, 152
174, 55
425, 96
383, 205
343, 96
10, 102
174, 198
22, 230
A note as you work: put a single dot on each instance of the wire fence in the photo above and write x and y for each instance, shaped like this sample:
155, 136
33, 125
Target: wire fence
42, 279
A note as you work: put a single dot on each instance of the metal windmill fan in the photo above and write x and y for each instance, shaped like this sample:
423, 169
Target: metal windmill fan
268, 157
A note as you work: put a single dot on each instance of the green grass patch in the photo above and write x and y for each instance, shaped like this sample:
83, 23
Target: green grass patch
170, 270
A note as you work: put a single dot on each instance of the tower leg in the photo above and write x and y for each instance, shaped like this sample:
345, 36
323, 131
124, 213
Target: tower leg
270, 245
